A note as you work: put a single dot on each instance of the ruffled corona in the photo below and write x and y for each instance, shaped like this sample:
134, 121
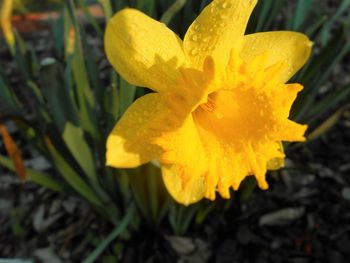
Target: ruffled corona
219, 114
240, 118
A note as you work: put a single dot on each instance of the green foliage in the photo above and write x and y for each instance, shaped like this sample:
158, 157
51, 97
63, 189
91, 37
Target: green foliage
75, 109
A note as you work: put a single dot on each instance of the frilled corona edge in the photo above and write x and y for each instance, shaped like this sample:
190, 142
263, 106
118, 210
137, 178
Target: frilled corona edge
220, 108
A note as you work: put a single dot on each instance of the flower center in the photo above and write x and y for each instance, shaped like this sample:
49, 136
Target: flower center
240, 113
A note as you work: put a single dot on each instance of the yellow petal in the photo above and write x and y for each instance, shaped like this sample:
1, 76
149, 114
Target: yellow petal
277, 162
284, 97
292, 131
129, 144
143, 51
289, 47
184, 163
191, 192
219, 28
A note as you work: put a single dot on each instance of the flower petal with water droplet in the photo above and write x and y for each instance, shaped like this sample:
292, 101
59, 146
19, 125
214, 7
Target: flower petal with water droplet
290, 47
144, 51
222, 24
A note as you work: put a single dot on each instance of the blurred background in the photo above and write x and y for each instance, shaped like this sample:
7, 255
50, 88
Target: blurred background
60, 97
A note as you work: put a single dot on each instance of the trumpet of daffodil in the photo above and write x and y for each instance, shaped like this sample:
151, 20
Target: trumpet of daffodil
220, 106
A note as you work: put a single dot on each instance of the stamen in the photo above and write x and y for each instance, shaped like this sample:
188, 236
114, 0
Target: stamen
209, 106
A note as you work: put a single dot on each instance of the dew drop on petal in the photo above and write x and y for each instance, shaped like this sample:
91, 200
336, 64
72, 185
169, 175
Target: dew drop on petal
225, 5
194, 38
194, 51
224, 16
247, 3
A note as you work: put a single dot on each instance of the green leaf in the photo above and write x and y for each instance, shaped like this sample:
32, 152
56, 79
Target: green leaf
107, 8
311, 29
35, 177
317, 70
93, 72
127, 95
329, 101
247, 188
326, 31
92, 20
172, 10
7, 97
111, 104
204, 211
74, 180
22, 58
84, 95
147, 6
56, 94
57, 28
149, 192
119, 229
73, 136
301, 11
180, 217
263, 14
326, 125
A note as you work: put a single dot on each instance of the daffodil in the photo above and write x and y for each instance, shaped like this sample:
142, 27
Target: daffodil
220, 106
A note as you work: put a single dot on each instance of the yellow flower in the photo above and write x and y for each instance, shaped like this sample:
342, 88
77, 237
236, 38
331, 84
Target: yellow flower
220, 107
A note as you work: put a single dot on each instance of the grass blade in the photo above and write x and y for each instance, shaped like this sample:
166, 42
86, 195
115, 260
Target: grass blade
326, 125
147, 6
35, 177
329, 101
302, 9
7, 97
70, 175
127, 95
172, 10
107, 8
120, 228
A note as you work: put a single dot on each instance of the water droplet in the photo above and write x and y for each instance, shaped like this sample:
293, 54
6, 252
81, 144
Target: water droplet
222, 24
196, 27
225, 5
224, 16
210, 48
194, 51
247, 3
194, 38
